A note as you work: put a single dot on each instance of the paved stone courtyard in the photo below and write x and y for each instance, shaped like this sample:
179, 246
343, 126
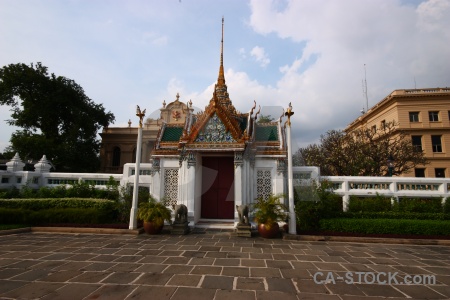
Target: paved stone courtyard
212, 265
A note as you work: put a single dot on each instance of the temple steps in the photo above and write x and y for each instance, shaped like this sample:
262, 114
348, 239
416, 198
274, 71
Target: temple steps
215, 224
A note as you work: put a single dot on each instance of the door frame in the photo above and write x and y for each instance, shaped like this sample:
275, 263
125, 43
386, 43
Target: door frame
199, 188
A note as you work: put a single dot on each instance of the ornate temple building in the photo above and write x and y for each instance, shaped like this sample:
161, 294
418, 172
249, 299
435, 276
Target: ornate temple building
210, 161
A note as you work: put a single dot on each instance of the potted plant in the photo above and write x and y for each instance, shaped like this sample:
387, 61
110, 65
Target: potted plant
268, 211
153, 214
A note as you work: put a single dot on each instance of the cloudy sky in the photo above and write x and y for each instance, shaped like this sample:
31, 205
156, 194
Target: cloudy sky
311, 53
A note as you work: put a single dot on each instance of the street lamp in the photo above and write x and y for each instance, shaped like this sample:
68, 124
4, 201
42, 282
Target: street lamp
390, 164
133, 212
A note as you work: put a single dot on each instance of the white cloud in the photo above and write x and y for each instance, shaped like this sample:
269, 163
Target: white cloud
134, 52
260, 56
345, 35
433, 15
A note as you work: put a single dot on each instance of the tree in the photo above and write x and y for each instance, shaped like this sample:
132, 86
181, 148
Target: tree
56, 117
363, 152
265, 119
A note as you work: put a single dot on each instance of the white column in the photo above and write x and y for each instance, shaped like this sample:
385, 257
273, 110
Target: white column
133, 212
238, 181
190, 203
238, 185
292, 219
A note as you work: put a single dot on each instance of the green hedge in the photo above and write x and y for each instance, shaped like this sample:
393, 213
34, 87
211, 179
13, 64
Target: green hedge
38, 204
387, 226
371, 204
394, 215
75, 190
57, 215
384, 204
433, 205
40, 211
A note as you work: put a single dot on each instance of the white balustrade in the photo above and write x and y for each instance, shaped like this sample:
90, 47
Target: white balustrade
345, 186
36, 180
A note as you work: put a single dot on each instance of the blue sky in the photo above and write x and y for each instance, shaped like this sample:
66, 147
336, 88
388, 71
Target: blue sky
310, 53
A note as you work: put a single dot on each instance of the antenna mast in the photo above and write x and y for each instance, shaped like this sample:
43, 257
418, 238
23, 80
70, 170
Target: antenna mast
364, 87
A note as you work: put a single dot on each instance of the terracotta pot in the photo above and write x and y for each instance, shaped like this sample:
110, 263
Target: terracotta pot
151, 228
270, 233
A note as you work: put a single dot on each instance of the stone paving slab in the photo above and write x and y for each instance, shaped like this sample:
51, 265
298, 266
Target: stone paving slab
215, 265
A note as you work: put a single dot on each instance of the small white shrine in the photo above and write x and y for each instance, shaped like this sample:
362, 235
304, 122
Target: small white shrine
217, 158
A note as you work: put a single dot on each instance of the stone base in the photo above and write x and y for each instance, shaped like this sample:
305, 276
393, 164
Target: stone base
180, 228
244, 230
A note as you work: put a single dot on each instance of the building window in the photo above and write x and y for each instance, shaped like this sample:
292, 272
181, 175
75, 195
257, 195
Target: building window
5, 180
374, 128
116, 157
434, 116
133, 160
419, 172
439, 172
383, 124
414, 116
417, 142
436, 143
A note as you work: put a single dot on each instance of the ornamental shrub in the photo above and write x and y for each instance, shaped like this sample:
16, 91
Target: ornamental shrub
369, 204
387, 226
312, 203
419, 205
447, 206
40, 211
396, 215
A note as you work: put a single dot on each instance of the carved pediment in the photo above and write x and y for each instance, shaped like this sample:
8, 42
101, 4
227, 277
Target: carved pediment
214, 131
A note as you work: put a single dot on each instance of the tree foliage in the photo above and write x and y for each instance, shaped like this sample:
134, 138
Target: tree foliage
363, 152
265, 119
56, 117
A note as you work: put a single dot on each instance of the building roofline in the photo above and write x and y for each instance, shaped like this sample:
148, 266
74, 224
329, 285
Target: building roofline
398, 94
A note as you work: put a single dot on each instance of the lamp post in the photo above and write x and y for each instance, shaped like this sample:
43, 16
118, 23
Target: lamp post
133, 212
390, 163
292, 219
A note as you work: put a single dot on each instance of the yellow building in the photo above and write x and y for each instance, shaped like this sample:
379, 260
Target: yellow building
423, 114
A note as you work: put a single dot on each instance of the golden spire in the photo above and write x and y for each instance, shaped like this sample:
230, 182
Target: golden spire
221, 79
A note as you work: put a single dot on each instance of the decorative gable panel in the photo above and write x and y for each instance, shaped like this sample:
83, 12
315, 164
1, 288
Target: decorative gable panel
214, 131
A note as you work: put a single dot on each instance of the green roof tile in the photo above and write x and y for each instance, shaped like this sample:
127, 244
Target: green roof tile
172, 134
266, 133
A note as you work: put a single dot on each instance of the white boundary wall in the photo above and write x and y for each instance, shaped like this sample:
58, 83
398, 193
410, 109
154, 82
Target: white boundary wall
345, 186
394, 187
36, 180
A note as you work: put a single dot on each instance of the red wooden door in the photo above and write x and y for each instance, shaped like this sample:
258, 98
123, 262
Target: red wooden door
217, 188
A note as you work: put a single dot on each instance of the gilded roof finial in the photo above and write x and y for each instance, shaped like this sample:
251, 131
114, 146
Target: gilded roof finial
288, 113
221, 79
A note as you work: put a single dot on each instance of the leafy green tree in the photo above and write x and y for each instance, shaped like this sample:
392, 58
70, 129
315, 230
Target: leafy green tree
56, 117
265, 119
363, 152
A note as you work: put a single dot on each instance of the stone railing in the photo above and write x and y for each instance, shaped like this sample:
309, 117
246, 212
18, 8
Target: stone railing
15, 177
345, 186
394, 187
